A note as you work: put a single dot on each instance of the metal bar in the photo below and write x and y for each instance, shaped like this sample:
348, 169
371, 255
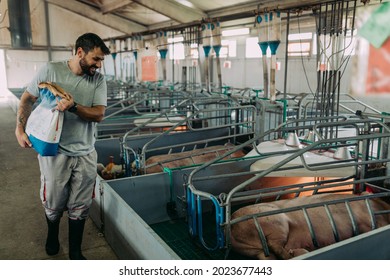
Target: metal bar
48, 38
353, 17
346, 201
289, 189
311, 229
332, 223
371, 213
355, 228
262, 237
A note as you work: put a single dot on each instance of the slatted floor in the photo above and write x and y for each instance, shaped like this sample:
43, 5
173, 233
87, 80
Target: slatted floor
175, 234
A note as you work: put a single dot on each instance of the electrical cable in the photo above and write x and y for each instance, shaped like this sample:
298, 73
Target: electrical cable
346, 57
303, 65
334, 76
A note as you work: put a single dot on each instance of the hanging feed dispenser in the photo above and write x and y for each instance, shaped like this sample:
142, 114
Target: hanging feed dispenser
162, 46
113, 52
137, 44
262, 28
216, 42
217, 45
206, 36
275, 31
274, 36
134, 46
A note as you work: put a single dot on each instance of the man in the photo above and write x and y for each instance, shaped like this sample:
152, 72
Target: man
68, 179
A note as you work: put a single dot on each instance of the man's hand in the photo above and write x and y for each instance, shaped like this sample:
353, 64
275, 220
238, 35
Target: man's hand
25, 107
64, 100
64, 104
22, 138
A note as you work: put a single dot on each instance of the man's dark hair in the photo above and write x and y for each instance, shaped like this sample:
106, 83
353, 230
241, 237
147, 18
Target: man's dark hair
89, 41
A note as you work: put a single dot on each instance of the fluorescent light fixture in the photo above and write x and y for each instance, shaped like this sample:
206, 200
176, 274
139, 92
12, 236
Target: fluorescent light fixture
298, 47
235, 32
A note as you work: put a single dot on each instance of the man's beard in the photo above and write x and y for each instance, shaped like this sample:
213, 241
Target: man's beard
87, 69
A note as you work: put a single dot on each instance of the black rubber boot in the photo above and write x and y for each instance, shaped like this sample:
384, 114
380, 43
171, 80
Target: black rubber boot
76, 230
52, 244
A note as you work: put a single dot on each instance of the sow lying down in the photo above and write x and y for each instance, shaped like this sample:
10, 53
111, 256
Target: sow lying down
287, 235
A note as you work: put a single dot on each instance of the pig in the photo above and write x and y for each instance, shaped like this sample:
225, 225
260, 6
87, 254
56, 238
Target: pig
287, 234
157, 163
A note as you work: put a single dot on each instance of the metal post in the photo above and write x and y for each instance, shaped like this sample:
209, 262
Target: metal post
49, 49
286, 56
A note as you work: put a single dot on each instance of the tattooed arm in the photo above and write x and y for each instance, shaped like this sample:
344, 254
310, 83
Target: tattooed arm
25, 107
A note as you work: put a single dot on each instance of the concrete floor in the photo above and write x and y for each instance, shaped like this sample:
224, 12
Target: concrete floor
22, 221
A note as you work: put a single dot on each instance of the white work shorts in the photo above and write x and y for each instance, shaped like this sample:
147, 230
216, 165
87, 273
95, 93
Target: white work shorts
67, 183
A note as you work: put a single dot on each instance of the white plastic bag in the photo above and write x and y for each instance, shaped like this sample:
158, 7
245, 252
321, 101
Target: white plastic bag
44, 125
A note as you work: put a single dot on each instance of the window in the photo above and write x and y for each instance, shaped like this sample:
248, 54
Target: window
194, 52
300, 36
229, 48
299, 49
300, 44
176, 48
252, 48
235, 32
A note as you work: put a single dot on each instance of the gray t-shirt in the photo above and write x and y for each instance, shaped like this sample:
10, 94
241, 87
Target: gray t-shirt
78, 135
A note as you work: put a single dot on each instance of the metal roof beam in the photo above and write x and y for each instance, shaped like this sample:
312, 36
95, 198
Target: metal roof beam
94, 14
114, 5
175, 11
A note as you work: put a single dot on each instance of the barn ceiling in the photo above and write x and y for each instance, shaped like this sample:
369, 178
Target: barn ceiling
138, 16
